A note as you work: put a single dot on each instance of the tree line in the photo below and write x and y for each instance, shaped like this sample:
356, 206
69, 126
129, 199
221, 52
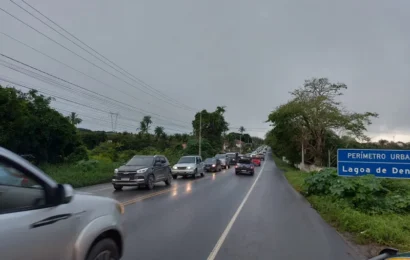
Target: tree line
30, 126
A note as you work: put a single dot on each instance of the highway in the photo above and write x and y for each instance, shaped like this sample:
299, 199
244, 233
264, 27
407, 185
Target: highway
224, 216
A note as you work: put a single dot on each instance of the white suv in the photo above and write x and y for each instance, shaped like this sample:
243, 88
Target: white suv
41, 219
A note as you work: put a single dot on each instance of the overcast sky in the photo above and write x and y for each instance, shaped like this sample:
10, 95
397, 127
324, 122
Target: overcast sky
192, 55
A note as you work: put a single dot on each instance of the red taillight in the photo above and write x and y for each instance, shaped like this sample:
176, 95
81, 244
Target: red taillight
236, 166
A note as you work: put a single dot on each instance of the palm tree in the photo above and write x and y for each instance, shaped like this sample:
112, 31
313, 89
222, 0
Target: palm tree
241, 130
145, 124
74, 119
159, 131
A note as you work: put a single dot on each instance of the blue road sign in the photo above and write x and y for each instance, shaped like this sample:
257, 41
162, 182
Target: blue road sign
381, 163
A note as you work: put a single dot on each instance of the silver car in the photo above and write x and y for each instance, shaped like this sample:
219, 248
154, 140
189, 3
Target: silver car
224, 160
41, 219
188, 166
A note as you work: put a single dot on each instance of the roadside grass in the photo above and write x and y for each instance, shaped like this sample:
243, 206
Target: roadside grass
384, 229
82, 173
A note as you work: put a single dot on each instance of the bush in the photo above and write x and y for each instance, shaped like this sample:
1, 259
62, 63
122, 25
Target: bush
83, 173
80, 153
367, 194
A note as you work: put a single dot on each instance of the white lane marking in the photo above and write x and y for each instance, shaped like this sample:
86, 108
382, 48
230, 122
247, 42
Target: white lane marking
221, 240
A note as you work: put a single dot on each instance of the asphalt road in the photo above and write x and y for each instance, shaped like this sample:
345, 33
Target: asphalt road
224, 216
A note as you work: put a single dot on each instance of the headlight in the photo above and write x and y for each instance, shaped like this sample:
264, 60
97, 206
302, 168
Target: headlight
213, 165
174, 167
116, 171
189, 167
142, 170
120, 208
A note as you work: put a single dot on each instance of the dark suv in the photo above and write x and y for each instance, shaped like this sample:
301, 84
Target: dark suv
245, 165
143, 170
233, 158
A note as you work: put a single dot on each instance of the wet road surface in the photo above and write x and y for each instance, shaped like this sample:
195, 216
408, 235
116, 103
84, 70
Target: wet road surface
224, 216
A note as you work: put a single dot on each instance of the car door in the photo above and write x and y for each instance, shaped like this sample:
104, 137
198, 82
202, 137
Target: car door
31, 228
158, 169
199, 164
165, 167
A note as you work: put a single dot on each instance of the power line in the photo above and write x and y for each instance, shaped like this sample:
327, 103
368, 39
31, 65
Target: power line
74, 69
139, 81
142, 111
76, 54
70, 101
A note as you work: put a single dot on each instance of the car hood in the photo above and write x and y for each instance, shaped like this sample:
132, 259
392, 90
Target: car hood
131, 168
222, 160
193, 165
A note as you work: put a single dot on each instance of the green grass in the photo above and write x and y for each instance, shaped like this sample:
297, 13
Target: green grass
387, 229
80, 175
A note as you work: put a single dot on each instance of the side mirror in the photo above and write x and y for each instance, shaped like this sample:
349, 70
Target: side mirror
65, 193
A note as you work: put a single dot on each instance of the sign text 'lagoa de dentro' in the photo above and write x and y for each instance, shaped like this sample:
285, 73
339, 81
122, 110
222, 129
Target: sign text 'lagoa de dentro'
381, 163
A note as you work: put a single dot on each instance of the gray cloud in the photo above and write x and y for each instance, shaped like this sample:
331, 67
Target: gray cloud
246, 55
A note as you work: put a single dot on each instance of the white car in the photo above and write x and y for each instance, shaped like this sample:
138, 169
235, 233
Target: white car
42, 219
188, 166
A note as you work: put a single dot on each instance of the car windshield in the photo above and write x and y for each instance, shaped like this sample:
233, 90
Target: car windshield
140, 160
231, 154
220, 156
187, 160
245, 161
210, 160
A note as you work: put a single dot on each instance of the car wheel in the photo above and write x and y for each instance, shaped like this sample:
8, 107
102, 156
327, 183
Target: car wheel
150, 182
104, 249
175, 177
194, 175
169, 180
117, 187
252, 173
202, 174
237, 173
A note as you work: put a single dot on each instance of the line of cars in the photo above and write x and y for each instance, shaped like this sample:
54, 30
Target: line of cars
146, 170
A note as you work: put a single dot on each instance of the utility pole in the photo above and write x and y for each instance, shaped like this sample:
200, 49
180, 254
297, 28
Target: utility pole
240, 144
114, 121
200, 132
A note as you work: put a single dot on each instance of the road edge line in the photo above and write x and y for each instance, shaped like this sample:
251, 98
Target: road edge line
228, 228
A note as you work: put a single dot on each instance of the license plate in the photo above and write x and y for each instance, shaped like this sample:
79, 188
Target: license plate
124, 179
243, 170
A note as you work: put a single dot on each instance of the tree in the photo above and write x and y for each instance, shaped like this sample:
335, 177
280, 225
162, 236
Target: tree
145, 124
159, 131
213, 125
74, 119
28, 125
314, 111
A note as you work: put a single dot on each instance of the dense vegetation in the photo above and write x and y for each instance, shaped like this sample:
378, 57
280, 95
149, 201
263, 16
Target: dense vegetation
30, 127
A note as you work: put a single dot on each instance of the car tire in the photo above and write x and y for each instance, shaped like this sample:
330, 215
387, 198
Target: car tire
237, 173
169, 180
202, 174
103, 247
174, 177
150, 182
194, 175
252, 173
117, 187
